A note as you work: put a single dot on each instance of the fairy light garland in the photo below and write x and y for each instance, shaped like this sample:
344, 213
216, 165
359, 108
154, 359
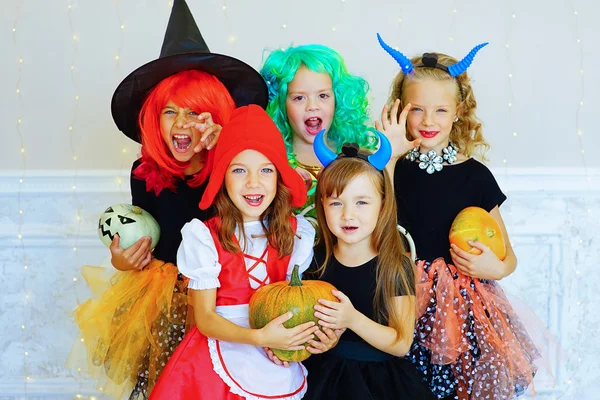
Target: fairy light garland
20, 209
580, 284
123, 184
72, 131
509, 77
453, 12
230, 33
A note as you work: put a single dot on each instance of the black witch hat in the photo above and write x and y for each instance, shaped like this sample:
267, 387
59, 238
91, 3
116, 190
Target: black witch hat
184, 49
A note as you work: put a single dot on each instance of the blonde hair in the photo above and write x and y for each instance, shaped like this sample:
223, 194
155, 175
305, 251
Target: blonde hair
395, 271
466, 133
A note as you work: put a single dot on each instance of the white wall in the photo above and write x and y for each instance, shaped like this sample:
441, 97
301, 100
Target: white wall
553, 188
543, 57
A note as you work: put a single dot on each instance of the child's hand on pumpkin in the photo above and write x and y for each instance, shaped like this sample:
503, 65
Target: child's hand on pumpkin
275, 359
136, 257
210, 131
336, 315
276, 336
394, 128
327, 340
483, 266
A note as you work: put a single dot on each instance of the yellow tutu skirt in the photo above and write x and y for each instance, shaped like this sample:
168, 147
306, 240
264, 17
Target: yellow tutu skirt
131, 326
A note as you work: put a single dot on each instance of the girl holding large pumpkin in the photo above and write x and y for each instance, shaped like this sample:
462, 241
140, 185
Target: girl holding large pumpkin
173, 106
252, 241
469, 343
364, 258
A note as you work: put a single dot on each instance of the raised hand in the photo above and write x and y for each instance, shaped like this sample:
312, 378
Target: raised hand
210, 131
394, 129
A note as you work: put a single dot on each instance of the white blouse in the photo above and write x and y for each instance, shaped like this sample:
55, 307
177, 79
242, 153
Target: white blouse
198, 260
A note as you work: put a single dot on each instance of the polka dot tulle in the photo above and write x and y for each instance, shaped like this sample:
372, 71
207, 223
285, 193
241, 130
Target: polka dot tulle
168, 332
468, 342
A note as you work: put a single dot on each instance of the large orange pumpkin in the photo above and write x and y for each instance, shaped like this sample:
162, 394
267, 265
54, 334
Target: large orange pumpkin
477, 225
299, 297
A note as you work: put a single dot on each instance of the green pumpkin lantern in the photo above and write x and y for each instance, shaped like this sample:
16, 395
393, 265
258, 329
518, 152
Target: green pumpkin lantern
130, 222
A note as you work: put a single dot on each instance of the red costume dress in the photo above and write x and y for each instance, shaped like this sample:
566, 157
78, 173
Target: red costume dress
211, 369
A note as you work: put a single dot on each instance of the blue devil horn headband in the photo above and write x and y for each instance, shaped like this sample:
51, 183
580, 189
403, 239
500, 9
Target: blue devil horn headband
430, 60
462, 65
322, 152
378, 159
400, 58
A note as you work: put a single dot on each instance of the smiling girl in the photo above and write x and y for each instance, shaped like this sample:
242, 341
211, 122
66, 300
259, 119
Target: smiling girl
469, 342
252, 241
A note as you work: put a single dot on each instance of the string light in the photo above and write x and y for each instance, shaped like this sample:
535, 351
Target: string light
579, 286
231, 37
511, 91
20, 65
73, 145
452, 18
123, 189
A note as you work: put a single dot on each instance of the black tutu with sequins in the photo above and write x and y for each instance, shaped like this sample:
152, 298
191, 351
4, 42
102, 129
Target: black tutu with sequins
357, 371
469, 343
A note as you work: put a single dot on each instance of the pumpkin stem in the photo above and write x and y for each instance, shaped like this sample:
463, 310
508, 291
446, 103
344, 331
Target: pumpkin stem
491, 233
295, 281
136, 210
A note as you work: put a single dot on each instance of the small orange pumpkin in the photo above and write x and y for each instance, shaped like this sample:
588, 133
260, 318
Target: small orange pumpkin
477, 225
299, 297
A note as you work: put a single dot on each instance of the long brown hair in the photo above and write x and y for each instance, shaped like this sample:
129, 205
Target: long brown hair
275, 221
395, 271
467, 132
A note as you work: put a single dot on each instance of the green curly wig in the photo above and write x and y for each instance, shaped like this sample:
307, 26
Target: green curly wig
351, 103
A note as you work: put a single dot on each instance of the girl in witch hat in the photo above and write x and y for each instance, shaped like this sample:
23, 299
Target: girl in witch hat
174, 106
469, 342
252, 241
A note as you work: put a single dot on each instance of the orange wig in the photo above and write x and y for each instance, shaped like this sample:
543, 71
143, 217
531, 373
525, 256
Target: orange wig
201, 92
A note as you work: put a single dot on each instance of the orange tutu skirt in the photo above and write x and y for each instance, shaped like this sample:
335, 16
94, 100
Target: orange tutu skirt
469, 341
131, 326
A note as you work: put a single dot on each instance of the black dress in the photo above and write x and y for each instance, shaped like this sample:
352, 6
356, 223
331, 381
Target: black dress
172, 209
468, 343
353, 369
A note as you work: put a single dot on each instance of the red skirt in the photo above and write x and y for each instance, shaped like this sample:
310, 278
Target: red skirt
190, 374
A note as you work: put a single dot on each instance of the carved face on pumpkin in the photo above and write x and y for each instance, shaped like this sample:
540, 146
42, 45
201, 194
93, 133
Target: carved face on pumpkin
130, 222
